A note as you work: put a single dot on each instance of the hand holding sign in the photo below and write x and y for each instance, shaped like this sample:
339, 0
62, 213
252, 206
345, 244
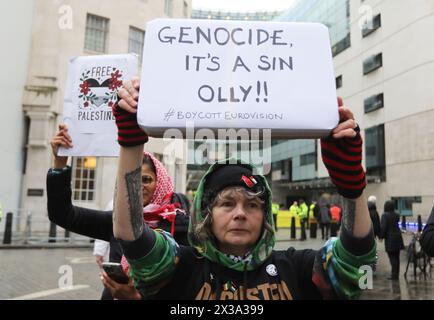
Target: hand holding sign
129, 132
92, 91
129, 95
62, 138
342, 155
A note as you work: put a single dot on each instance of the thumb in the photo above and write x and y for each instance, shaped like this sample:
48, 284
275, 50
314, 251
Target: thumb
340, 102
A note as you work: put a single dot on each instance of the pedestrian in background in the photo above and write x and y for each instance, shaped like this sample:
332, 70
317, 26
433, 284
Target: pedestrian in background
303, 215
427, 238
313, 219
373, 213
336, 214
392, 236
324, 209
293, 213
275, 210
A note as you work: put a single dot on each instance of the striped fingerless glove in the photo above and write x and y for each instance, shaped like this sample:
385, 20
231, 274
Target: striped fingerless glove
129, 132
343, 160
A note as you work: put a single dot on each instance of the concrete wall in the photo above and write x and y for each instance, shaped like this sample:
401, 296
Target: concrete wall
15, 32
406, 79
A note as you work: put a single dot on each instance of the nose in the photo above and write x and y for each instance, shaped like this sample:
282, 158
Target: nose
239, 212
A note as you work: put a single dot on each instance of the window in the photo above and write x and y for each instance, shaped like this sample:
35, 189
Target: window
136, 42
375, 153
168, 7
404, 205
307, 159
83, 186
289, 166
341, 45
372, 63
96, 34
370, 26
373, 103
283, 167
339, 82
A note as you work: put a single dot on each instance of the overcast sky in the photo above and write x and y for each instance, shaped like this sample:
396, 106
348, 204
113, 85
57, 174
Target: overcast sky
243, 5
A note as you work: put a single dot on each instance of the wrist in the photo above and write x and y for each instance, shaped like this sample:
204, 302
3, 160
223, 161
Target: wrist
60, 162
129, 132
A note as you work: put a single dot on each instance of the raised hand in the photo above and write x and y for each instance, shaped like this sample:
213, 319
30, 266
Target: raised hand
125, 112
62, 138
342, 155
129, 95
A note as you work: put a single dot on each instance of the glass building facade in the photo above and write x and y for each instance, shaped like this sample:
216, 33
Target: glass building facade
226, 15
335, 14
297, 159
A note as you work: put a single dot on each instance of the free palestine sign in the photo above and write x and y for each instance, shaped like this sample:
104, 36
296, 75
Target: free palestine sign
235, 74
91, 91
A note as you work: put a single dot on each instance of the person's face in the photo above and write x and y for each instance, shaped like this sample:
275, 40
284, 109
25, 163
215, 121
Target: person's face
237, 223
149, 183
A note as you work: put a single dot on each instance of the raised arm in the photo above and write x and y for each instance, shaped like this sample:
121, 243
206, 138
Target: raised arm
151, 254
128, 205
342, 258
128, 199
342, 156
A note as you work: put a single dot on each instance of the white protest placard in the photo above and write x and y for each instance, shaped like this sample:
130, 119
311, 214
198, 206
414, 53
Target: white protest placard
237, 74
93, 84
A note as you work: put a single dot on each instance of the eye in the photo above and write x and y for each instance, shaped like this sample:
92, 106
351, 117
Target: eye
253, 205
147, 180
227, 204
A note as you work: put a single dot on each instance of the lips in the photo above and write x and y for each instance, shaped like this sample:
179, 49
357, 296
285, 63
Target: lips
239, 230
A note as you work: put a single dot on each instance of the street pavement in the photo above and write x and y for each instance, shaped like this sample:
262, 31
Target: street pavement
42, 274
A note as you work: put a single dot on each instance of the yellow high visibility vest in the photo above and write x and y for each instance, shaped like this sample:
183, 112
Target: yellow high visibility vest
311, 213
275, 208
303, 214
293, 211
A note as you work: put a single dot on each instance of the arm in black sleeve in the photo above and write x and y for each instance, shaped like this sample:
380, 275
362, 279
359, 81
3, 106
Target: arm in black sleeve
376, 224
92, 223
304, 262
357, 246
383, 226
316, 213
427, 238
357, 243
140, 247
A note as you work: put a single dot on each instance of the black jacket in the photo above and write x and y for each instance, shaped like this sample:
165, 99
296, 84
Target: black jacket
427, 238
390, 230
375, 218
94, 223
292, 279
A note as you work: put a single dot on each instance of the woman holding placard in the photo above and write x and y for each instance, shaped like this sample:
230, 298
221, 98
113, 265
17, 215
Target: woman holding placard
158, 200
231, 229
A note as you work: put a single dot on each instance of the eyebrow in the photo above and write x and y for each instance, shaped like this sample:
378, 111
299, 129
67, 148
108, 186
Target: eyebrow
232, 198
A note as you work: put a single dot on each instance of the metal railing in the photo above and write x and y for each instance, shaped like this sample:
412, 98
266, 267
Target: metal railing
27, 227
